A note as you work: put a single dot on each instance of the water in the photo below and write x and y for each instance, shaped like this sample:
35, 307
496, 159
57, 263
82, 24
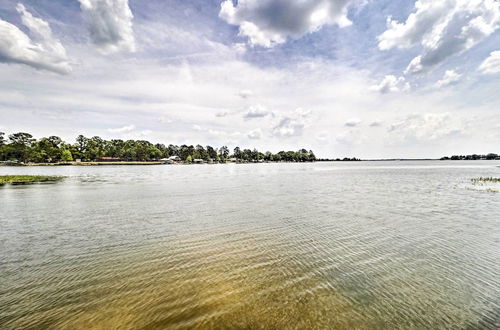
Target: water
393, 245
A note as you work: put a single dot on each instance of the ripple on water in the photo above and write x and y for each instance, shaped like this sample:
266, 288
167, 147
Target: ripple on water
279, 247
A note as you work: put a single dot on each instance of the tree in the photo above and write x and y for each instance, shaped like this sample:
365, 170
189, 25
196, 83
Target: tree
3, 149
224, 153
237, 153
66, 156
212, 153
189, 159
21, 144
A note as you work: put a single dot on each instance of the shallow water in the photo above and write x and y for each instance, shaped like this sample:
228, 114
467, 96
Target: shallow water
393, 245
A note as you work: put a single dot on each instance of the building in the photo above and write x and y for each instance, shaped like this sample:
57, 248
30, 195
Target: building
171, 160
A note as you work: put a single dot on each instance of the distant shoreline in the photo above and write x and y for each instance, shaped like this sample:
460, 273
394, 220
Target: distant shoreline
135, 163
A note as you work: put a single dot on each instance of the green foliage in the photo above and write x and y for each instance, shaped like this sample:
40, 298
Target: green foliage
66, 156
21, 179
481, 179
24, 148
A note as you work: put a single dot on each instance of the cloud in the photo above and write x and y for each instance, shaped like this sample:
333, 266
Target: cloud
257, 111
245, 93
425, 127
491, 64
270, 22
110, 24
450, 77
221, 114
165, 120
391, 83
322, 136
124, 129
41, 51
291, 125
255, 134
376, 124
353, 122
197, 128
442, 28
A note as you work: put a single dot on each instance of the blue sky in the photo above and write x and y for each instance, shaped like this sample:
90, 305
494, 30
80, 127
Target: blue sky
362, 78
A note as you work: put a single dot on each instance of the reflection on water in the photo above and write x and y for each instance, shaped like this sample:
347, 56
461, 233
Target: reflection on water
326, 245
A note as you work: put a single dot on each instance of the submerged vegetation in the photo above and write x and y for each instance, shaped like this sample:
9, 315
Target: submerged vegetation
481, 179
486, 182
24, 179
24, 148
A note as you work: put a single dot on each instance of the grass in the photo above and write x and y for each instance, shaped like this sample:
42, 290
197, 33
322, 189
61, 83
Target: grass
478, 180
25, 179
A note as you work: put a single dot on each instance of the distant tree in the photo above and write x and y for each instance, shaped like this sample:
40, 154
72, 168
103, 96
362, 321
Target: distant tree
212, 153
3, 148
23, 147
66, 156
237, 153
21, 144
223, 153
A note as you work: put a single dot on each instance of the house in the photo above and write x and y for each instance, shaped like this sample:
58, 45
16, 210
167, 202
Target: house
170, 160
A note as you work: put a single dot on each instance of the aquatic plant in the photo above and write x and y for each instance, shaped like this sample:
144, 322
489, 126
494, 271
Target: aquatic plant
24, 179
481, 179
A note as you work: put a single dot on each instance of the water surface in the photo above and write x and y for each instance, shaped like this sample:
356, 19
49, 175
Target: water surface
394, 245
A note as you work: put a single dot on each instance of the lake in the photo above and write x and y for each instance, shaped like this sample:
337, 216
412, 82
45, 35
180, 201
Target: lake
393, 245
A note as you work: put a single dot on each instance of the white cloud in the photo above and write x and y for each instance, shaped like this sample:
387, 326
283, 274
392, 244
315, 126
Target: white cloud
450, 77
124, 129
375, 123
257, 111
197, 127
391, 83
165, 120
255, 134
322, 136
269, 22
245, 93
442, 28
491, 64
425, 127
291, 125
110, 24
353, 122
221, 114
41, 51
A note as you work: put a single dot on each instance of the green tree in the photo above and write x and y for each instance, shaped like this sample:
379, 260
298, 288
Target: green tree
224, 153
189, 159
212, 153
21, 144
66, 156
237, 153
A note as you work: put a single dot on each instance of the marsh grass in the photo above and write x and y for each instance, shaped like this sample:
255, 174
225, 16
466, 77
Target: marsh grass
482, 180
27, 179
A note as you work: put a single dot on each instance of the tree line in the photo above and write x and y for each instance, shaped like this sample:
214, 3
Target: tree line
490, 156
23, 147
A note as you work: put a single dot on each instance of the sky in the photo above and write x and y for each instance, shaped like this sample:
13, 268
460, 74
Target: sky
345, 78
